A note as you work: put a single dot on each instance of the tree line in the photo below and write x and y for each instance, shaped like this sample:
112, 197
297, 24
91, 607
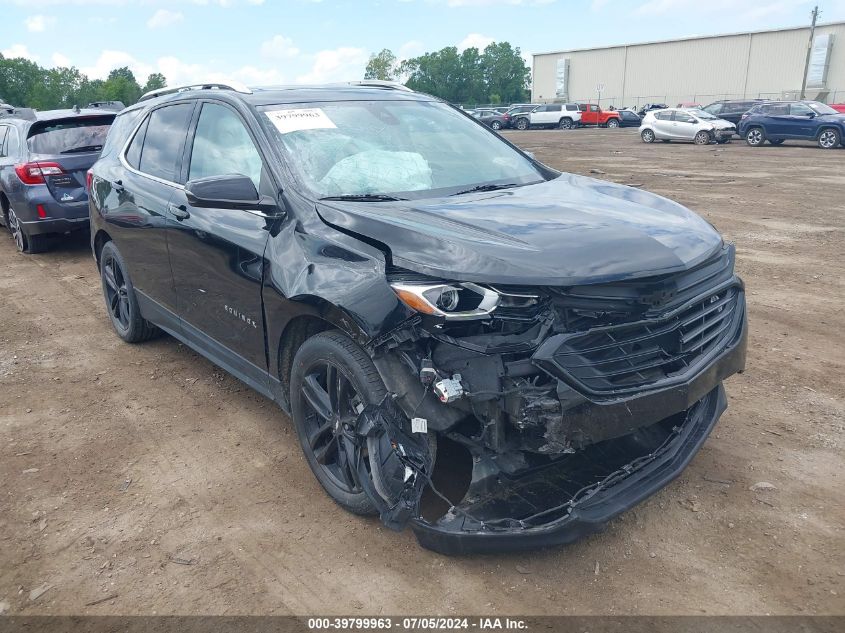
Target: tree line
498, 74
24, 83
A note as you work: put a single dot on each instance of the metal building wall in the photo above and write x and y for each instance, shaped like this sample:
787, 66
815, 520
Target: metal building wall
749, 65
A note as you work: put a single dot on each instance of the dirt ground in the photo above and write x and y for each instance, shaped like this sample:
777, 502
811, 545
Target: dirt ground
146, 480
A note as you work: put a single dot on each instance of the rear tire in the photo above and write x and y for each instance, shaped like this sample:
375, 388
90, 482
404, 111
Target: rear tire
647, 136
496, 125
28, 244
613, 123
565, 123
121, 300
829, 138
755, 136
522, 124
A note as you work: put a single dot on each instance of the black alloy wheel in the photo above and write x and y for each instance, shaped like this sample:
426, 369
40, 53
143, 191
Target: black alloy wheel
332, 380
121, 302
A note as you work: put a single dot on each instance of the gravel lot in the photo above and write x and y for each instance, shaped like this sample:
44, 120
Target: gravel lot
146, 480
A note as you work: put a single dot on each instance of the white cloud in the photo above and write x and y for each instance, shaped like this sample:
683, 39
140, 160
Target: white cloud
340, 64
475, 40
410, 49
164, 18
490, 3
750, 9
280, 47
109, 60
38, 23
60, 61
18, 50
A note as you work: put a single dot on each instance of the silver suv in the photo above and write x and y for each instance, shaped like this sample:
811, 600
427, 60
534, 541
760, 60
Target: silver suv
682, 124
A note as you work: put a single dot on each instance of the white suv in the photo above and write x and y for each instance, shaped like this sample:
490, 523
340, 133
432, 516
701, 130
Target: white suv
562, 115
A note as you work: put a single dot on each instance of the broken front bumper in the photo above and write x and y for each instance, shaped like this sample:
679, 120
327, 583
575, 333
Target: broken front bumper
590, 509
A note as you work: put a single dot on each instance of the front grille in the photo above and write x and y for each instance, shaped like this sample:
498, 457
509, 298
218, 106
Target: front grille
580, 308
630, 356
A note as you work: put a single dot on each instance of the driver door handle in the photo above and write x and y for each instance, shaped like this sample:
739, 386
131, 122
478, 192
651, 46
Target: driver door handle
180, 212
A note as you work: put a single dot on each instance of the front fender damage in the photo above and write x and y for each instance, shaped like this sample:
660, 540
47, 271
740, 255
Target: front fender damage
528, 411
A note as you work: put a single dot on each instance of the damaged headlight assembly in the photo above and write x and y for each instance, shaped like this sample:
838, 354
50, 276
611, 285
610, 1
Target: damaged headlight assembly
452, 301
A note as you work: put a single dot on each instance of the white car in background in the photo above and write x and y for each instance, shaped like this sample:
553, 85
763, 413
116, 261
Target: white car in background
685, 124
562, 115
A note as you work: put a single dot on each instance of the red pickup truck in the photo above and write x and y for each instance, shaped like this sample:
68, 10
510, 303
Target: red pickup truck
591, 114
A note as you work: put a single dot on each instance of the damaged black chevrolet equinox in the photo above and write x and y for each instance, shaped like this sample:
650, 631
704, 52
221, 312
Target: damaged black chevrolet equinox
498, 354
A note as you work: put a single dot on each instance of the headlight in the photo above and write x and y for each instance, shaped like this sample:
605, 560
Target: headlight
453, 301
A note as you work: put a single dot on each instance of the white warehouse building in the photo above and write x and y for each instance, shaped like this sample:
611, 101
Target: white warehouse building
762, 64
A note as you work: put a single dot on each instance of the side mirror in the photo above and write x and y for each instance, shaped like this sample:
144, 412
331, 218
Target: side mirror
230, 191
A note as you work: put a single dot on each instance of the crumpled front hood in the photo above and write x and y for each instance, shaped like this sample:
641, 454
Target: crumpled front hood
570, 230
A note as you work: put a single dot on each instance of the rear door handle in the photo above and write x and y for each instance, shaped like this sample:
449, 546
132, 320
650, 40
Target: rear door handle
180, 212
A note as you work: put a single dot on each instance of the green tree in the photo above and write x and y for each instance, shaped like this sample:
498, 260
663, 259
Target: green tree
382, 66
496, 75
155, 81
121, 85
505, 72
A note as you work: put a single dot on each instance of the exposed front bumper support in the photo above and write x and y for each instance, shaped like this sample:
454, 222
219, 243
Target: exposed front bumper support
589, 513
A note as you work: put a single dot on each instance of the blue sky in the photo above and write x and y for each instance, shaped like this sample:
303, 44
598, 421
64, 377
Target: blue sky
300, 41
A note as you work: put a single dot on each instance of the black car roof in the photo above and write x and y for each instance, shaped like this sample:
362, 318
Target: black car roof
271, 95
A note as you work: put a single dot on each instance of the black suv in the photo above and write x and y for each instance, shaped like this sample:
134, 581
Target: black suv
731, 110
43, 160
439, 313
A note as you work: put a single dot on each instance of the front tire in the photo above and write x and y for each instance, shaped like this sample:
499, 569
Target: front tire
829, 138
755, 137
522, 124
702, 138
647, 136
121, 300
332, 379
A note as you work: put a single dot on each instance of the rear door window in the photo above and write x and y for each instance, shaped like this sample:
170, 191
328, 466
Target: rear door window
133, 154
119, 132
3, 131
664, 116
165, 141
69, 136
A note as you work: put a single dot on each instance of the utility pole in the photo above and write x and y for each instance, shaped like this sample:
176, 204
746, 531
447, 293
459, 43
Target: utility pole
815, 15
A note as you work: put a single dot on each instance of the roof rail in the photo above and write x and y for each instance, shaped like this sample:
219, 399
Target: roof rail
378, 83
230, 85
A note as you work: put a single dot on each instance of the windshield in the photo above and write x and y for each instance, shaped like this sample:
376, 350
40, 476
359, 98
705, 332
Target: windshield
69, 135
702, 114
407, 149
821, 108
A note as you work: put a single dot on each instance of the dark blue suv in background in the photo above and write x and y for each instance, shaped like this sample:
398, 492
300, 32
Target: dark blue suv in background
777, 121
44, 157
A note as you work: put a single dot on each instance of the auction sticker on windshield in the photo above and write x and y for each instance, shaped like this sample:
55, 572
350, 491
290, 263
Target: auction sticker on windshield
300, 119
